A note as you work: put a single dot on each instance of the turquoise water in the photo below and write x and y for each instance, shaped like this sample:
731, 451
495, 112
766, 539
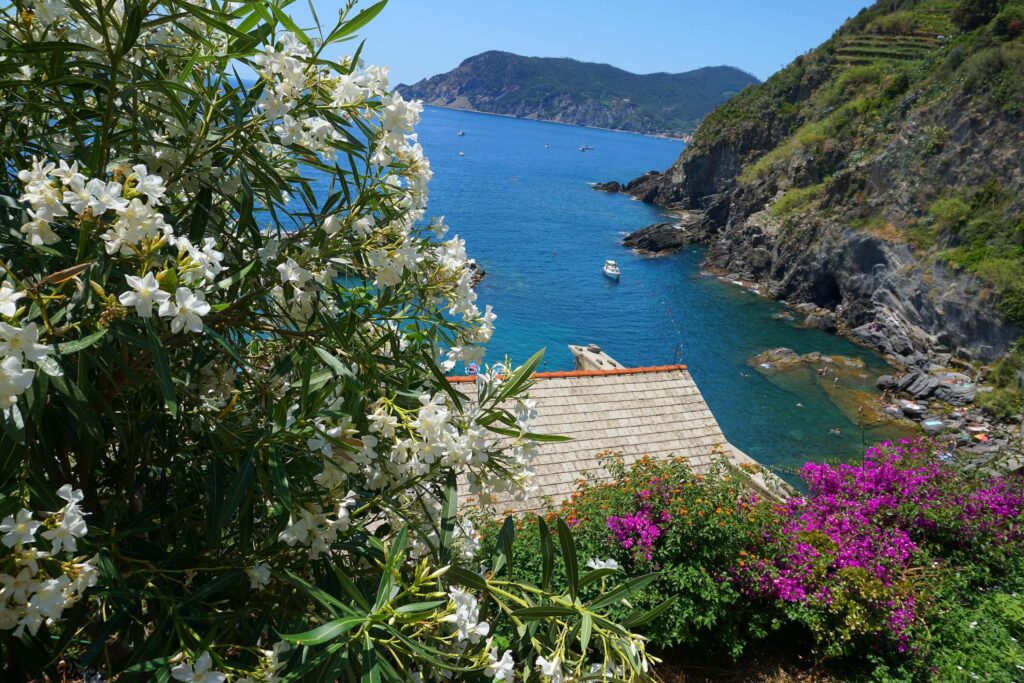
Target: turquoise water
530, 218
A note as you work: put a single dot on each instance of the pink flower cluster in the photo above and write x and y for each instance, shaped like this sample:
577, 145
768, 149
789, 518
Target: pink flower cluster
639, 531
878, 519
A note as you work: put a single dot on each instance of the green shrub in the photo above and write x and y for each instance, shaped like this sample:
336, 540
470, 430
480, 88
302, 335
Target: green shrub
1008, 22
708, 524
1001, 403
1011, 304
810, 136
949, 212
972, 14
935, 139
797, 198
978, 635
1004, 372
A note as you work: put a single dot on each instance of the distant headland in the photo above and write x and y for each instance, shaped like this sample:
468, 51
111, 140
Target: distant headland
582, 93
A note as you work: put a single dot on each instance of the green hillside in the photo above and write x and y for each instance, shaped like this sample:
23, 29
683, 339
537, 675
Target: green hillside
585, 93
881, 176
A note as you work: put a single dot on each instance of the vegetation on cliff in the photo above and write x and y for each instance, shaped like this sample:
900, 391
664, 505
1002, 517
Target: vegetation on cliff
584, 93
878, 176
843, 104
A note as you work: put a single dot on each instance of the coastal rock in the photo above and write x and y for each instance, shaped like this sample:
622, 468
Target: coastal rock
611, 186
660, 238
846, 240
478, 273
824, 321
886, 383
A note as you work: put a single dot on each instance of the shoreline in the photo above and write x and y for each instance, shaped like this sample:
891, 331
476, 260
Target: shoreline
559, 123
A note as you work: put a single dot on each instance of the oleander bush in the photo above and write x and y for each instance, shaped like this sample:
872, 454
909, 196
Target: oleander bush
872, 569
228, 451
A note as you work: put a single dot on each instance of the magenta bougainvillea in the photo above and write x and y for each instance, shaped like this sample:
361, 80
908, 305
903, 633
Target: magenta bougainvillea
851, 557
639, 531
851, 545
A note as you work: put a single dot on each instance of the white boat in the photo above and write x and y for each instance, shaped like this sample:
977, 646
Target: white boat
584, 148
462, 154
611, 269
461, 133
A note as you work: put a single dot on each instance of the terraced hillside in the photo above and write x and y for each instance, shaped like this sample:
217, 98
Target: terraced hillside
880, 175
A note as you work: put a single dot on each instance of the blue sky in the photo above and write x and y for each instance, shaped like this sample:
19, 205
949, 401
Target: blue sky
420, 38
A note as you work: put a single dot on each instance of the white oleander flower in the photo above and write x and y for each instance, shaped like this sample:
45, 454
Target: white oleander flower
9, 299
259, 576
19, 529
23, 342
292, 272
46, 201
38, 232
14, 380
551, 669
76, 195
104, 196
332, 225
186, 310
145, 293
199, 672
501, 669
466, 616
148, 184
39, 173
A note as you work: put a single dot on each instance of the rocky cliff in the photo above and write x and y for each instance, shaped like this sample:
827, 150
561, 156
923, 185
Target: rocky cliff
582, 93
878, 176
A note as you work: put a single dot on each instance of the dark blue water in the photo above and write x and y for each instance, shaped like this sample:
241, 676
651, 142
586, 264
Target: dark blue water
531, 219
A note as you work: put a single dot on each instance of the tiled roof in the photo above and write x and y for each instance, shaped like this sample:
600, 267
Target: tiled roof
655, 411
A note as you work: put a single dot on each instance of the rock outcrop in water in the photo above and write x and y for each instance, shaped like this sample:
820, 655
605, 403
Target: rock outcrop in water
878, 177
665, 238
477, 273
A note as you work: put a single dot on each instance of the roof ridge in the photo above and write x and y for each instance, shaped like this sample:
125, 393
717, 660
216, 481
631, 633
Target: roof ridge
587, 373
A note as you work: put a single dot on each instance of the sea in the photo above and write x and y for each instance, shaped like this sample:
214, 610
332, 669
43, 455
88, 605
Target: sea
520, 193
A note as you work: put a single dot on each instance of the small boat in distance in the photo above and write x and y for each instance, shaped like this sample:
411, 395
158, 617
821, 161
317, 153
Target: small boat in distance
461, 133
462, 154
611, 270
584, 148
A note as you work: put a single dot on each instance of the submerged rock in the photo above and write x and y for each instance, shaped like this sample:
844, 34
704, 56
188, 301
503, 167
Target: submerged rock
843, 380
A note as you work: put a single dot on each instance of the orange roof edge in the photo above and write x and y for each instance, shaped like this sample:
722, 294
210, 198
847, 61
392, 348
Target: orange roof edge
586, 373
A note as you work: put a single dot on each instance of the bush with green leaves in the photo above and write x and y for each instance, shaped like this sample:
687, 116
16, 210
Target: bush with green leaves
228, 448
873, 570
685, 532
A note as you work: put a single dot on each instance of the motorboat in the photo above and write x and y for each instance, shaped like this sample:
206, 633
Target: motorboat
611, 270
461, 133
